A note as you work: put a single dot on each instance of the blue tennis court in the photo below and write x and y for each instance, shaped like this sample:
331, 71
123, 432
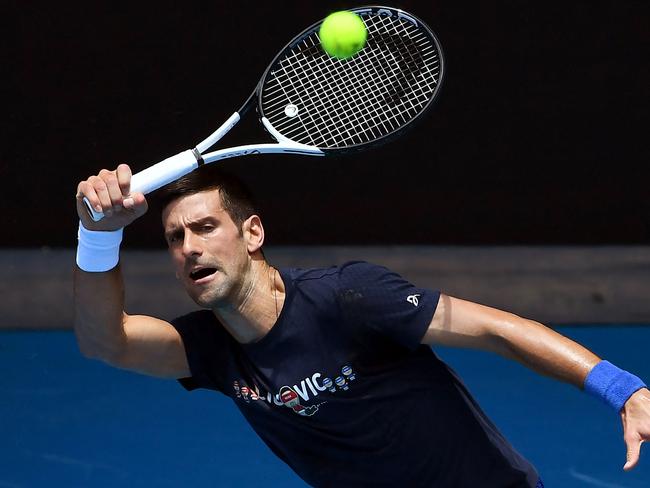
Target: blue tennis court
68, 421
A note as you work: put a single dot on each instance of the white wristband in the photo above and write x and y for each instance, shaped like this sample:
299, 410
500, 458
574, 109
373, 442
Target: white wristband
98, 251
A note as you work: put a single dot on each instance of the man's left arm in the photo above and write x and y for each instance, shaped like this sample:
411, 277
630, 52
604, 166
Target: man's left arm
459, 323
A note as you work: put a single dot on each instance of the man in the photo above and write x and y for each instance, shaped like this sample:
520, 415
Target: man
332, 367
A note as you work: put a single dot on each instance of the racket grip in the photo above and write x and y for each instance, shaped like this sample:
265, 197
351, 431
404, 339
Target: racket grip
155, 176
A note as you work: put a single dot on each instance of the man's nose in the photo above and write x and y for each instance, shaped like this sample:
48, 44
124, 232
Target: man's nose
191, 245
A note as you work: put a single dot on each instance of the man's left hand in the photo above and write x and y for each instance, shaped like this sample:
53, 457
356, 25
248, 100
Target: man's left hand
636, 425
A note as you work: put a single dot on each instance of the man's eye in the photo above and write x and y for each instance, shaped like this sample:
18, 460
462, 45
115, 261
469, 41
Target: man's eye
207, 228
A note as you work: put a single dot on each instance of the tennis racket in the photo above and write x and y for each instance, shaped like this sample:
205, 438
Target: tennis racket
316, 105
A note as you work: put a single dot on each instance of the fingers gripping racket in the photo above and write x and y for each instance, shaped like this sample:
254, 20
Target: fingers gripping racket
317, 105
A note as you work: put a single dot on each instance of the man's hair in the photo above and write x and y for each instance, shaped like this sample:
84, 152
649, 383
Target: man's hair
236, 198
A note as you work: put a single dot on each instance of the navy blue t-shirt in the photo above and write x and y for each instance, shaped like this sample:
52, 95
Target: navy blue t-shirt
341, 389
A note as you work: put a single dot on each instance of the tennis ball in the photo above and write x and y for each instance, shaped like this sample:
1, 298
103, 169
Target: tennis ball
342, 34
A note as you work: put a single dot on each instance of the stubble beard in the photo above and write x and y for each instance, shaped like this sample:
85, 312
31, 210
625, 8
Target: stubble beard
225, 290
221, 293
215, 296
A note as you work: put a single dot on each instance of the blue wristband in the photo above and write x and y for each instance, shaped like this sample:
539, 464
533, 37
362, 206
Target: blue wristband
611, 384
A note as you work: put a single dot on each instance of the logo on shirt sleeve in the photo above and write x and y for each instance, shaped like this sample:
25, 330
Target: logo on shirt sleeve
413, 299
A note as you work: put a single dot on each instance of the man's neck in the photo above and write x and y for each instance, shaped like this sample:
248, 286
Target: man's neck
257, 307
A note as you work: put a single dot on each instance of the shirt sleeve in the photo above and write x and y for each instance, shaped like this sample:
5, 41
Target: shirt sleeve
374, 297
207, 349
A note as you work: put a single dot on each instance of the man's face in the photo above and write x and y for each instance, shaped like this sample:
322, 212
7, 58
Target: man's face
209, 253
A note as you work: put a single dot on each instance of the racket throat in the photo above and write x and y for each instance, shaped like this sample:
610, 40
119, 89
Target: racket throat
251, 149
213, 138
284, 145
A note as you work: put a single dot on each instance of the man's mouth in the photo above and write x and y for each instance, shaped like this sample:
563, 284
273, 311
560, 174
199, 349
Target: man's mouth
202, 274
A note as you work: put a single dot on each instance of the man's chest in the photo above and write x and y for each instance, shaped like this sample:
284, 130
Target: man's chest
311, 364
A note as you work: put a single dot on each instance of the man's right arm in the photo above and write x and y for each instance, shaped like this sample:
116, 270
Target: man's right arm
104, 331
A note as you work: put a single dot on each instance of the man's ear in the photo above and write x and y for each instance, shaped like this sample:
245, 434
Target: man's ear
253, 233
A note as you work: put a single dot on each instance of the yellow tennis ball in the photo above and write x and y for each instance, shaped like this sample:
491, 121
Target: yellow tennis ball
342, 34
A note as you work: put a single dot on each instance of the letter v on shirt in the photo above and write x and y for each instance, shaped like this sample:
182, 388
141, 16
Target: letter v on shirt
312, 383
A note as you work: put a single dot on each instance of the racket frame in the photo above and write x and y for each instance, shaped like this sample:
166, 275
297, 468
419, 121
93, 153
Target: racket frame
380, 10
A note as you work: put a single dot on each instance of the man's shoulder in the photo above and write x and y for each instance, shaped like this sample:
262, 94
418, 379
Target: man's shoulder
334, 282
332, 272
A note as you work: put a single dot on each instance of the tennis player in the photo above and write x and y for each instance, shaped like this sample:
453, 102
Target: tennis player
332, 367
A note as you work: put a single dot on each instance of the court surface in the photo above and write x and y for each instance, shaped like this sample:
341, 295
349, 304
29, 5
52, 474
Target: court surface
70, 422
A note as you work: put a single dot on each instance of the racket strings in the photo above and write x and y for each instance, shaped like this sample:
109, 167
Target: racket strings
323, 105
389, 75
338, 106
342, 111
344, 103
334, 106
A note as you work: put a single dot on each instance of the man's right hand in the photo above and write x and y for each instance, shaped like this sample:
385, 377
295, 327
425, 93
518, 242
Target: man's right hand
109, 192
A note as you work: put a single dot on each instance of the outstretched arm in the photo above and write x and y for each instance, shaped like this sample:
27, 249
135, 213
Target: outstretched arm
459, 323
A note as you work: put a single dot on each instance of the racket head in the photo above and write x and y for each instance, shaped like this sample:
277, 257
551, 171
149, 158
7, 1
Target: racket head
338, 106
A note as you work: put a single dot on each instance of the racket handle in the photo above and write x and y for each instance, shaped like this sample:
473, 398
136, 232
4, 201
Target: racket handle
155, 176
